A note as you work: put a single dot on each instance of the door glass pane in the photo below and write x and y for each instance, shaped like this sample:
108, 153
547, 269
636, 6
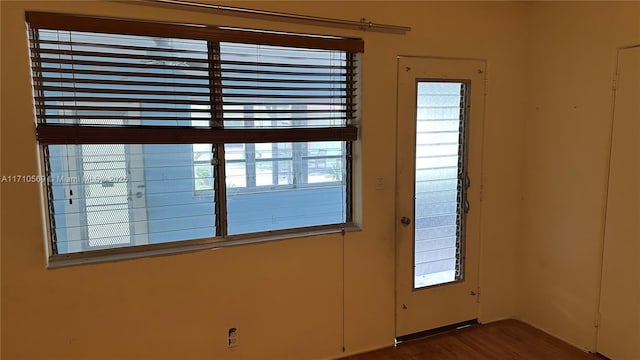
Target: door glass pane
439, 174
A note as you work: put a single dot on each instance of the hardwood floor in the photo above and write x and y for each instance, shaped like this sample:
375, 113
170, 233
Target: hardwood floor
501, 340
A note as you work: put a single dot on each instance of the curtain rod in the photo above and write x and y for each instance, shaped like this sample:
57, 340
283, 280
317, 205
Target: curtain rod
363, 24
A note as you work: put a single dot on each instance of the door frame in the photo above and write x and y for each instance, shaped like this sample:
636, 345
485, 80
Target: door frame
475, 157
598, 341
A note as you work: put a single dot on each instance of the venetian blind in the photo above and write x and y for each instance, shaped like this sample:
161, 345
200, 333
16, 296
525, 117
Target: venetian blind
181, 83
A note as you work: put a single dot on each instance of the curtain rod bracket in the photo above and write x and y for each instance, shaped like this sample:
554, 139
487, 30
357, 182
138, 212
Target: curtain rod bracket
366, 24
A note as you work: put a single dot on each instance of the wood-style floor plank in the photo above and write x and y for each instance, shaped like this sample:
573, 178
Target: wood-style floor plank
501, 340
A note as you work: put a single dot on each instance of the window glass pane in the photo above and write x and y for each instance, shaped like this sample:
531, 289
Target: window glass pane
264, 172
270, 164
203, 176
235, 151
202, 169
264, 151
282, 190
236, 172
439, 163
325, 162
126, 194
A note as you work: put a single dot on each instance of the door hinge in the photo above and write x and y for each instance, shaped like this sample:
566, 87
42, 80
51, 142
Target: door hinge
597, 320
486, 86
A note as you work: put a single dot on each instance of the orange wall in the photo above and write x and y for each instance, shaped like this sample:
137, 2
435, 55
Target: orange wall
547, 116
570, 65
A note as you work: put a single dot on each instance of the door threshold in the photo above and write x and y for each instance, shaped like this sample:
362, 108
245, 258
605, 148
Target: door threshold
436, 331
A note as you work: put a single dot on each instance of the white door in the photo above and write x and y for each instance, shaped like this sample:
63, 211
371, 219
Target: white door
440, 110
619, 328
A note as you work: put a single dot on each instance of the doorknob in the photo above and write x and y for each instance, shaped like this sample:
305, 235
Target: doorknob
405, 220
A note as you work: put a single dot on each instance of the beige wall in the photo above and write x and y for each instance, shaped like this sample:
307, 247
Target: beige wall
287, 297
570, 65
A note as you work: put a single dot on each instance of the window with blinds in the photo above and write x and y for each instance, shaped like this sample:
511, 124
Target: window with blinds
156, 132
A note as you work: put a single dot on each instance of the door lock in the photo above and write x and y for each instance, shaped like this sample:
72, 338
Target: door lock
405, 220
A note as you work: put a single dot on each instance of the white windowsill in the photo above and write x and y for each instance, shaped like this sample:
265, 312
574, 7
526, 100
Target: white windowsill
180, 247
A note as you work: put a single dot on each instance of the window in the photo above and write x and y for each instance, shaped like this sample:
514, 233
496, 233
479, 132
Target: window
156, 133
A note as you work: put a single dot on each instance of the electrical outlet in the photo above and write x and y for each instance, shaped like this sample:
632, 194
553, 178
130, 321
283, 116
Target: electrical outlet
232, 338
